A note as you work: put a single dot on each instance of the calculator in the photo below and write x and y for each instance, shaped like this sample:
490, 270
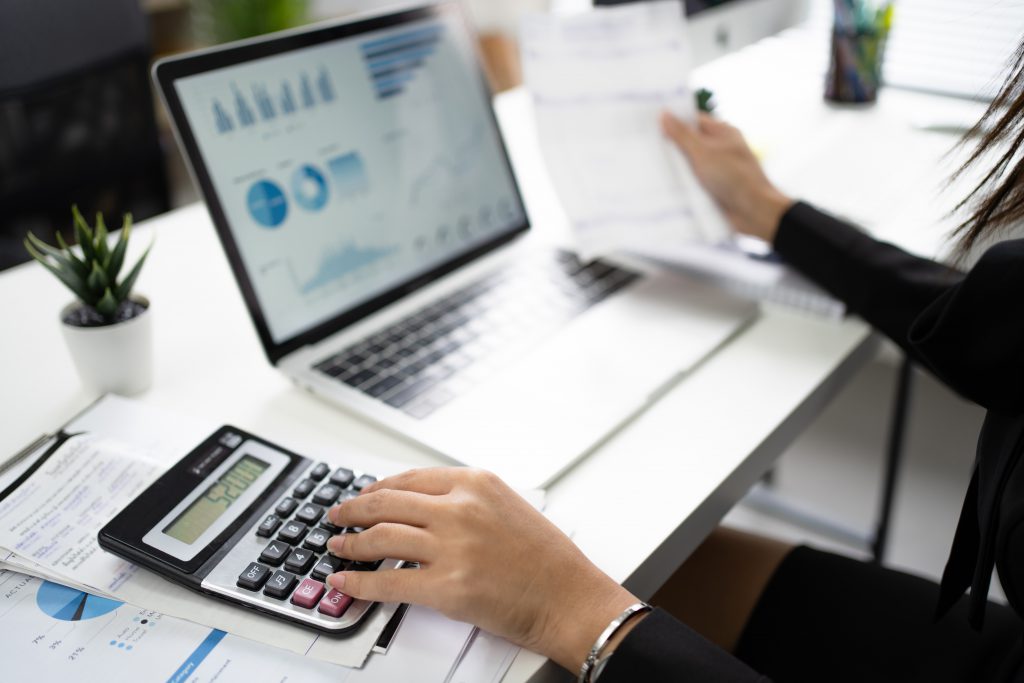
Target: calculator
244, 520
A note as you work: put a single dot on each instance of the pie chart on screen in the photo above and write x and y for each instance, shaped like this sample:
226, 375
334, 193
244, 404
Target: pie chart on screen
309, 188
67, 604
267, 203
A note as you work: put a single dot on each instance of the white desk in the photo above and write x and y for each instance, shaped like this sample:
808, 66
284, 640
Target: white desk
638, 506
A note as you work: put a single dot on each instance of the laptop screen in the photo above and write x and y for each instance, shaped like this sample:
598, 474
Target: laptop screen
349, 167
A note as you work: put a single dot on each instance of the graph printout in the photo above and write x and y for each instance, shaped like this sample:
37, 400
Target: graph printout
347, 168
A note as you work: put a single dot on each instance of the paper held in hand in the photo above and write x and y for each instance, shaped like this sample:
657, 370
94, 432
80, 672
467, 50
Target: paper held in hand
599, 82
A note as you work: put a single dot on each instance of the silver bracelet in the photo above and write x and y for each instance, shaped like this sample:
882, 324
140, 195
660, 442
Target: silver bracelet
587, 670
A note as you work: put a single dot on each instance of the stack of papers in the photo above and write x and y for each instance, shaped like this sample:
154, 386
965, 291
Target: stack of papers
49, 525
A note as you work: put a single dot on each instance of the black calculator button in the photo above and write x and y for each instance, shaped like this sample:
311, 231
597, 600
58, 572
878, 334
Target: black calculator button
342, 477
281, 585
292, 532
274, 553
333, 528
317, 540
286, 507
320, 471
365, 566
269, 526
327, 494
348, 494
254, 576
327, 565
299, 561
363, 481
304, 488
309, 513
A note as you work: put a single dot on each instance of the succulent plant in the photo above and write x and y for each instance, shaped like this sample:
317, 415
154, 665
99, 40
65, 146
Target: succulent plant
91, 273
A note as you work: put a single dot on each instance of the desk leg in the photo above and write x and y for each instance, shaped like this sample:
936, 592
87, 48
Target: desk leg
893, 456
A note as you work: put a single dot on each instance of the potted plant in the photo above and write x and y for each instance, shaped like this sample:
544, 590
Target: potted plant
107, 329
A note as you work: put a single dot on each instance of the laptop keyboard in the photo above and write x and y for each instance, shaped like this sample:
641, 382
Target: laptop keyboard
426, 359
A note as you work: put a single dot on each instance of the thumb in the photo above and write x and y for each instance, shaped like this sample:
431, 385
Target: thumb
681, 133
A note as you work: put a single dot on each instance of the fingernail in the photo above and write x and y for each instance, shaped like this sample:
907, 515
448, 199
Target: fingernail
336, 581
336, 543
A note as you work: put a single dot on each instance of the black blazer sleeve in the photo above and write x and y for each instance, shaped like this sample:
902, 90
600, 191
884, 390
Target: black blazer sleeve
662, 648
966, 329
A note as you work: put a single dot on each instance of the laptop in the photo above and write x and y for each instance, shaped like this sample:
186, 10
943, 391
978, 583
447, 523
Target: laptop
364, 197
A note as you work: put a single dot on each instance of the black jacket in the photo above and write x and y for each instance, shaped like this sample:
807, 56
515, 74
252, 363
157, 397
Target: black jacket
968, 330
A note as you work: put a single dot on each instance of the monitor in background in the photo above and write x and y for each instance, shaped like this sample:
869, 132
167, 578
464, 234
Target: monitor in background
718, 27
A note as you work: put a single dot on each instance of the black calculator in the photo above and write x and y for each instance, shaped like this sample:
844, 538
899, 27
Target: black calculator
246, 521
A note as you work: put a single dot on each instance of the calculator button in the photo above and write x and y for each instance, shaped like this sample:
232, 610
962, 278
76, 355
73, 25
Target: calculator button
342, 477
274, 553
348, 494
319, 472
304, 488
286, 507
317, 540
254, 576
327, 494
326, 566
293, 532
269, 526
309, 513
308, 593
280, 585
334, 603
365, 566
299, 561
325, 523
363, 481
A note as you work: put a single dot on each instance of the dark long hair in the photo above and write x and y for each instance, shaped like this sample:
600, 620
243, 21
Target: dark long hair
998, 199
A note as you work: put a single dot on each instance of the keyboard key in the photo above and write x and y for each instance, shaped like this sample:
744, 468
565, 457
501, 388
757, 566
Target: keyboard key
274, 553
334, 604
308, 593
309, 513
363, 481
268, 526
317, 540
327, 494
360, 378
280, 585
383, 386
320, 471
299, 561
327, 565
292, 532
409, 392
304, 488
254, 576
286, 507
342, 477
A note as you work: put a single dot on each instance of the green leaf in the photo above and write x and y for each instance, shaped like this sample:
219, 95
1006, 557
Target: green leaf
117, 255
125, 288
83, 235
75, 284
98, 281
107, 306
100, 241
64, 262
81, 269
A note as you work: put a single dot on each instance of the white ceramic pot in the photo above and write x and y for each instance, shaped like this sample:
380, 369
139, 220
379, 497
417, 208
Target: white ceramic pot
114, 358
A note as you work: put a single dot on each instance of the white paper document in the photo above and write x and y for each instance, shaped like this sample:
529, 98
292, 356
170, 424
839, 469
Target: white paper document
55, 633
599, 82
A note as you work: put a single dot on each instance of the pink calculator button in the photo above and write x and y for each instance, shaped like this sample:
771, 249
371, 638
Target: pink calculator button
308, 592
334, 603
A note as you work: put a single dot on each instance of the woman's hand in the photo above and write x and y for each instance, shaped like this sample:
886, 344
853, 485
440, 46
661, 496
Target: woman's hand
729, 171
486, 557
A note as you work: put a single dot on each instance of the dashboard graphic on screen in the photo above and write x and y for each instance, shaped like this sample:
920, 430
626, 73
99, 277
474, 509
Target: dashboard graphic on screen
349, 167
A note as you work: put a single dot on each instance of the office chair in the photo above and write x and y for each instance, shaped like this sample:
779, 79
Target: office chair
77, 124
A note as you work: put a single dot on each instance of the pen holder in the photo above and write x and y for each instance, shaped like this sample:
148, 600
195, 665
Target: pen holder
855, 66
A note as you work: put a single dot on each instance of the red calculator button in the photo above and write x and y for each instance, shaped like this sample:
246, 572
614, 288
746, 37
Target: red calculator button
308, 592
334, 603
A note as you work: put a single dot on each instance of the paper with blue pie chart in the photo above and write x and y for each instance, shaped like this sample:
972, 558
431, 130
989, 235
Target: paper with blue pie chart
267, 203
309, 188
67, 604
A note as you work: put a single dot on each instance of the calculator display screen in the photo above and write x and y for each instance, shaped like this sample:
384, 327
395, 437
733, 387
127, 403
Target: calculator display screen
209, 507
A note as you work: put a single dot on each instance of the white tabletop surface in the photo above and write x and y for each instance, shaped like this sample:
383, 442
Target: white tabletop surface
641, 503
